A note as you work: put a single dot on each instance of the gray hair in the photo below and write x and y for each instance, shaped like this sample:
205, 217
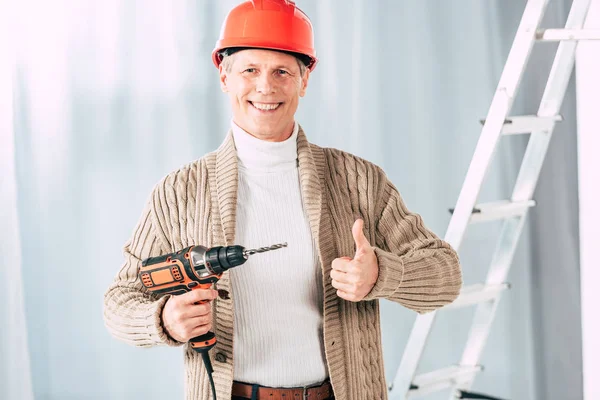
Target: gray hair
227, 62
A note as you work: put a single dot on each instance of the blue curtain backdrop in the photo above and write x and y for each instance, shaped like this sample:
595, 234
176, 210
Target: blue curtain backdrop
110, 96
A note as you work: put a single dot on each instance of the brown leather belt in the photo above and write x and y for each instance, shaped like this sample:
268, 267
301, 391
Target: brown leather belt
322, 392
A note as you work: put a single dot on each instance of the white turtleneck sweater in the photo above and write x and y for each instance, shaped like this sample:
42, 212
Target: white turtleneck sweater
278, 318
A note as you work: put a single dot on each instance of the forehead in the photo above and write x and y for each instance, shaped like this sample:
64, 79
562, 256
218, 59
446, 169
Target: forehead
265, 57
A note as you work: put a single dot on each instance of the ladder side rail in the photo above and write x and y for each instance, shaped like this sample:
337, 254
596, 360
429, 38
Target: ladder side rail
503, 256
485, 312
498, 111
550, 105
412, 353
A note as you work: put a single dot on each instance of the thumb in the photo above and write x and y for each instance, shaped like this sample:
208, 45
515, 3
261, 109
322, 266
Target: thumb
362, 243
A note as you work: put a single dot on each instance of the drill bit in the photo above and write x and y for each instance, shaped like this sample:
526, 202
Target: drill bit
249, 252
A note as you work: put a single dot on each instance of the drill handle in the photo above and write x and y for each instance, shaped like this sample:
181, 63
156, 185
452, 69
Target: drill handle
203, 343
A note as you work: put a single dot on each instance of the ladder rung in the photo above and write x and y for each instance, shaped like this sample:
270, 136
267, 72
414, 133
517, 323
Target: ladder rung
463, 394
478, 293
500, 210
528, 123
554, 35
441, 379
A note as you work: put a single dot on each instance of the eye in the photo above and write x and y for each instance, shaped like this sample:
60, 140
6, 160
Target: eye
250, 70
282, 72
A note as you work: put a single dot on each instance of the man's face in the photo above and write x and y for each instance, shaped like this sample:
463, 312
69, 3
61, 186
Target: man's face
264, 88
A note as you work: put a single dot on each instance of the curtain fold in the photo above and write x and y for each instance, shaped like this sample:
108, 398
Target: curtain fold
15, 375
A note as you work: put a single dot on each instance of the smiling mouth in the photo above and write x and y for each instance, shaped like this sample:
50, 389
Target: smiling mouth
265, 106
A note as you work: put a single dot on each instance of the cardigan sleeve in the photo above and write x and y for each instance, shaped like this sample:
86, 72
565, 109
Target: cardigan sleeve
132, 313
416, 268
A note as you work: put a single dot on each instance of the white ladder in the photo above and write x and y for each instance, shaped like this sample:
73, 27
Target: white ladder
459, 378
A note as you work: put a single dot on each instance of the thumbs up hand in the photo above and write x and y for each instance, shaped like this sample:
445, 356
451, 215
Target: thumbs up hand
355, 277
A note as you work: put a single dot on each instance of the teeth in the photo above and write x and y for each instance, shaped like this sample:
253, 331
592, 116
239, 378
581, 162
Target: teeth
265, 106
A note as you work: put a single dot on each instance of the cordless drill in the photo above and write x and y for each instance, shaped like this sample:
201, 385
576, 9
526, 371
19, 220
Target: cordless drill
191, 268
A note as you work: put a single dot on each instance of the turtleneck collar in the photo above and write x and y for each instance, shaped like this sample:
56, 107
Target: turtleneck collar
261, 156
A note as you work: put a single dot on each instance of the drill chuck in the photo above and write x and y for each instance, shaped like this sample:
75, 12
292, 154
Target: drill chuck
222, 258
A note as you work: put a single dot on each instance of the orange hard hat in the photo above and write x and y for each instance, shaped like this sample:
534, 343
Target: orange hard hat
268, 24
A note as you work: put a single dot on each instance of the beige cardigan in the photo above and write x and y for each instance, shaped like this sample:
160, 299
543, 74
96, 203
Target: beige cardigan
197, 205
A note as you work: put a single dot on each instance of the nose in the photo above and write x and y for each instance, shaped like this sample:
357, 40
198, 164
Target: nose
265, 83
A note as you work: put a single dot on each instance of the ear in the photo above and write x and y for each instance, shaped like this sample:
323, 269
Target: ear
223, 78
304, 83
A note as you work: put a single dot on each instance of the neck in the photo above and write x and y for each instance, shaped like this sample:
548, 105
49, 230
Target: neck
281, 136
259, 155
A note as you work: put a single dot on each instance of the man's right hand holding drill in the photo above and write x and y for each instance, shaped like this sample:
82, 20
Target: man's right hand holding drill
183, 318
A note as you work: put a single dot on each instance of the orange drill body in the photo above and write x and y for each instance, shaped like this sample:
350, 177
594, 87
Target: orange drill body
174, 273
178, 273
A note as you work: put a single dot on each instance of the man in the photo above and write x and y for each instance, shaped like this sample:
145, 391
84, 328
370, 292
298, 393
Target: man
305, 316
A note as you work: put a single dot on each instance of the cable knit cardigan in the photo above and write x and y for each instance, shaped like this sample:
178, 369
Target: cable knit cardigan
196, 205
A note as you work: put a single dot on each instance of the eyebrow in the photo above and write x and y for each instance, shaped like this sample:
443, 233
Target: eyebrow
280, 66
